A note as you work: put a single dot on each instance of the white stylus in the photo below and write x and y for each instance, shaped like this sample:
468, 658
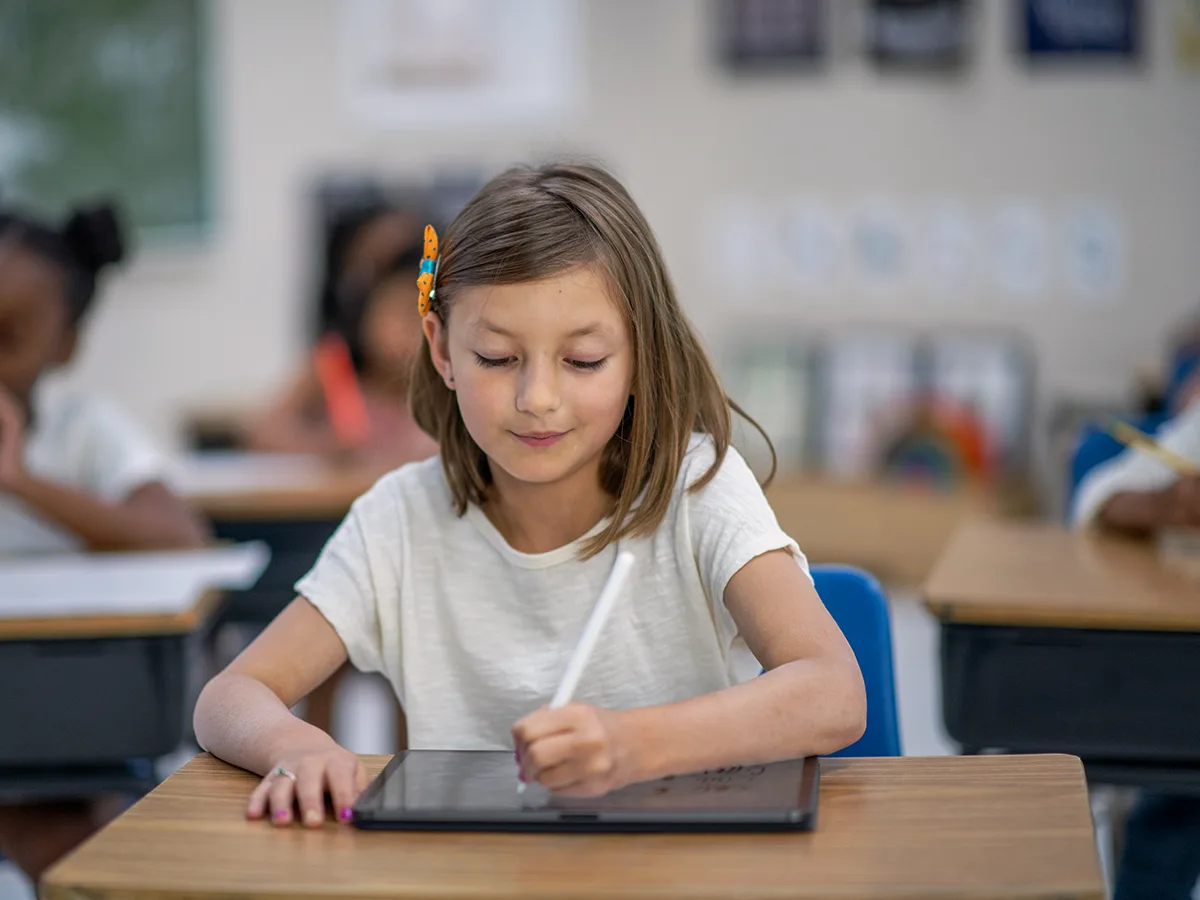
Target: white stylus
591, 634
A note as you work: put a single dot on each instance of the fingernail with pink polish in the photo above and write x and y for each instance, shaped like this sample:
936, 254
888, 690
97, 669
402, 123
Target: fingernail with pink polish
346, 814
281, 814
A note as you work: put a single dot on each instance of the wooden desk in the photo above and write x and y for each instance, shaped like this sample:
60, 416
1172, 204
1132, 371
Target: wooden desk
895, 531
113, 626
238, 486
969, 827
1053, 640
99, 654
1029, 574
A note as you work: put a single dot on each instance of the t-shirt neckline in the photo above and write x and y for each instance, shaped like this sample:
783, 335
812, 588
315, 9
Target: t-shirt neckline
565, 553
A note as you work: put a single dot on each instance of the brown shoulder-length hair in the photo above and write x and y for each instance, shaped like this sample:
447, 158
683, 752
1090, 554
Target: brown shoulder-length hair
533, 223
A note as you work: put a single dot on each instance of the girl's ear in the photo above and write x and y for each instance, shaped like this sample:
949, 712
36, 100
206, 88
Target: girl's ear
435, 334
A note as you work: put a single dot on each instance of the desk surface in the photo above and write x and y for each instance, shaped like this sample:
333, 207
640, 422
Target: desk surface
111, 626
969, 827
1000, 573
273, 487
895, 531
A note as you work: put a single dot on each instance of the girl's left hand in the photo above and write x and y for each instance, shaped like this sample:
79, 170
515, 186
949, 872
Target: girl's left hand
12, 440
577, 750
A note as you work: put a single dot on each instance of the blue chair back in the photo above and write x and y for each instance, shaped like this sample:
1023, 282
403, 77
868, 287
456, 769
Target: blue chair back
1095, 446
859, 606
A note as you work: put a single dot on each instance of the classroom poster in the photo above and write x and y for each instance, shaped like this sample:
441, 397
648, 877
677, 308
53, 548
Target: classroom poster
809, 240
926, 34
1186, 35
1020, 250
1070, 29
880, 247
866, 375
425, 64
949, 251
770, 379
1094, 252
754, 35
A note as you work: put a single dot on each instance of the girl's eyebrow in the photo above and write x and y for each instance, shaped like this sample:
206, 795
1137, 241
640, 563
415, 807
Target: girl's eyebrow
594, 328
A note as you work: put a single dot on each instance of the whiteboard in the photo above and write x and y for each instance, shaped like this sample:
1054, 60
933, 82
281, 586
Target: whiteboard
107, 98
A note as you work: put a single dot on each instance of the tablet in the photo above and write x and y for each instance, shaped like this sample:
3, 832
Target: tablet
477, 791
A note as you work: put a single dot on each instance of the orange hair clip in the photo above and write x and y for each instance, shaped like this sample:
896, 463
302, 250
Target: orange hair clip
425, 280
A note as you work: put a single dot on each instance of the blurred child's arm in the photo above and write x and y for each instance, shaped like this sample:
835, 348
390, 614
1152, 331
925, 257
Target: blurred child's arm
1144, 512
151, 517
243, 716
288, 426
810, 701
1134, 492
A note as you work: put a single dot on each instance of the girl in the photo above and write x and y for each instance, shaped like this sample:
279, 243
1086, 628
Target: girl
575, 411
74, 472
367, 303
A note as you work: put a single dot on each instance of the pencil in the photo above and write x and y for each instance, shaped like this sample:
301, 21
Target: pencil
1138, 440
591, 634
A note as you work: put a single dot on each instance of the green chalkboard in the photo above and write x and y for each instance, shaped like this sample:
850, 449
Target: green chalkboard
106, 97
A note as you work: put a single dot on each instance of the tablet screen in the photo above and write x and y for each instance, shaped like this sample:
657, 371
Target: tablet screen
427, 780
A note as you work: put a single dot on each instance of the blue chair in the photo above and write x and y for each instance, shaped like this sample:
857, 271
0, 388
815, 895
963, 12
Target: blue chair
1095, 446
859, 606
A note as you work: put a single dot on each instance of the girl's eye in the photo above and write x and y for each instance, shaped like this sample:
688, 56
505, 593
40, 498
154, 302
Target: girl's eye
588, 365
489, 362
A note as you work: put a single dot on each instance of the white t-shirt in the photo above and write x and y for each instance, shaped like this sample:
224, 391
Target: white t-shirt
473, 634
1133, 470
82, 441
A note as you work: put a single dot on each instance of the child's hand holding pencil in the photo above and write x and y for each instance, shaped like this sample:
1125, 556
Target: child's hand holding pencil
1180, 501
574, 748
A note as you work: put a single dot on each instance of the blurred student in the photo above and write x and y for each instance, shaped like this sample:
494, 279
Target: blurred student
75, 473
1134, 494
351, 400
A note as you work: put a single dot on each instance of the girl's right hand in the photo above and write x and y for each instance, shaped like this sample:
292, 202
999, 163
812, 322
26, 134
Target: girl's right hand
303, 779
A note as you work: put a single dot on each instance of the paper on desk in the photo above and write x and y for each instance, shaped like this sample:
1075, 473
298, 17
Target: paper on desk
97, 584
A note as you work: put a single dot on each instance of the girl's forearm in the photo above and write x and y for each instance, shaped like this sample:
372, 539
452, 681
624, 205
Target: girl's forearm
803, 708
242, 721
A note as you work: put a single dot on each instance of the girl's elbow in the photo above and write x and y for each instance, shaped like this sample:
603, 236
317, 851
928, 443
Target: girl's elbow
848, 714
216, 709
202, 714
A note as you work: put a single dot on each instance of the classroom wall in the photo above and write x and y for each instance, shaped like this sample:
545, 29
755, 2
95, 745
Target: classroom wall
225, 321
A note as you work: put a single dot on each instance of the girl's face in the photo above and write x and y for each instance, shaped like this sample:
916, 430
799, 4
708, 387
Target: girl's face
391, 325
35, 333
542, 370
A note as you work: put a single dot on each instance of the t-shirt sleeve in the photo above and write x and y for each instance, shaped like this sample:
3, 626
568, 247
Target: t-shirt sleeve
730, 521
344, 589
120, 456
1134, 471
